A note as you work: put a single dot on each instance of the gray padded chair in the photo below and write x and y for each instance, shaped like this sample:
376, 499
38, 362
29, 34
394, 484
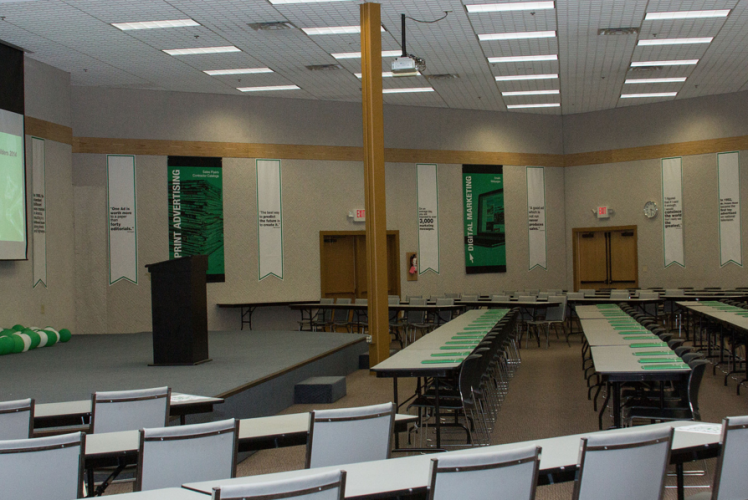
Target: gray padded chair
443, 316
619, 294
17, 419
350, 435
623, 466
172, 456
730, 479
341, 317
500, 298
49, 468
506, 475
328, 485
115, 411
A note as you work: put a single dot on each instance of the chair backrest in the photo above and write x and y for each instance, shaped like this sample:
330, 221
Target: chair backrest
417, 301
343, 300
507, 475
327, 300
350, 435
469, 298
543, 295
17, 419
362, 301
409, 298
619, 294
328, 485
445, 302
393, 300
500, 298
575, 295
698, 366
445, 316
587, 292
527, 298
556, 313
618, 466
49, 468
115, 411
172, 456
730, 479
673, 292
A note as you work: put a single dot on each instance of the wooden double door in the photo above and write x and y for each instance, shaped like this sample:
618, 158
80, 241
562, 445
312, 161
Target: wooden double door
605, 257
343, 263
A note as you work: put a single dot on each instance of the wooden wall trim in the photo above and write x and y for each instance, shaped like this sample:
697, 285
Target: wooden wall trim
476, 157
48, 130
706, 146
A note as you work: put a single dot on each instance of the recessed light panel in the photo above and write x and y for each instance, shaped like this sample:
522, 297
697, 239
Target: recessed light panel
544, 105
385, 74
281, 2
268, 88
552, 57
686, 14
529, 92
516, 36
148, 25
651, 94
514, 78
357, 55
202, 50
675, 41
241, 71
406, 91
676, 62
335, 30
656, 80
508, 7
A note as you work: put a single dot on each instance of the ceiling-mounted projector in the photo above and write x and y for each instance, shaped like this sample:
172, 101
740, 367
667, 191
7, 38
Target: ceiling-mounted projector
404, 66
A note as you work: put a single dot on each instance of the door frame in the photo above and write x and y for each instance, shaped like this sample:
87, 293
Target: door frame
599, 229
323, 234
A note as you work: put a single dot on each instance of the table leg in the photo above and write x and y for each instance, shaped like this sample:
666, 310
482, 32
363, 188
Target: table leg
616, 388
436, 414
397, 408
679, 479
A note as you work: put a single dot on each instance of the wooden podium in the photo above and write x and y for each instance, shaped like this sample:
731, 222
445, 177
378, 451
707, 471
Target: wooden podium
180, 312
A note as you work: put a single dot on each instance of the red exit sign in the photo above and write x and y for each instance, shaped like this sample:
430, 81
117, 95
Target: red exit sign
360, 215
602, 213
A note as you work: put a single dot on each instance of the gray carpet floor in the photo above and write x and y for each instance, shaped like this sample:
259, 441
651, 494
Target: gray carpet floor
547, 398
88, 363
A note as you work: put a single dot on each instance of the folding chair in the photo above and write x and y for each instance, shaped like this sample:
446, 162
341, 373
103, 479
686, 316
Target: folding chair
115, 411
172, 456
17, 419
730, 479
321, 486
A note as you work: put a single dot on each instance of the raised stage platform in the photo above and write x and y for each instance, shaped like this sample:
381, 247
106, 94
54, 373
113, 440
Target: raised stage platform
255, 371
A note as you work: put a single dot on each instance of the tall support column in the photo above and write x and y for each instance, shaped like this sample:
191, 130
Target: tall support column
376, 215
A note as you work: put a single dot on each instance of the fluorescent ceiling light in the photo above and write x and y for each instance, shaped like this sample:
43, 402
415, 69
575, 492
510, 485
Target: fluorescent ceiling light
269, 88
507, 7
529, 92
404, 91
203, 50
516, 36
335, 30
545, 105
652, 94
281, 2
385, 74
675, 41
676, 62
243, 71
552, 57
357, 55
686, 14
147, 25
656, 80
512, 78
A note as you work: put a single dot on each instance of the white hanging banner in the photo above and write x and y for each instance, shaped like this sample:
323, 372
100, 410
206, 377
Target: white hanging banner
39, 212
730, 244
428, 218
123, 231
672, 211
269, 218
536, 217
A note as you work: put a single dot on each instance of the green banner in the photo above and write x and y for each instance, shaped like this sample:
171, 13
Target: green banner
483, 200
196, 211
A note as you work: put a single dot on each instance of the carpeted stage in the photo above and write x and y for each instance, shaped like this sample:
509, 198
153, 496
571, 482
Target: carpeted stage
254, 370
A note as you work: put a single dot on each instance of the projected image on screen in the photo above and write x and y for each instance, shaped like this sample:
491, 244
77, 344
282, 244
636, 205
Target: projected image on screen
12, 206
491, 212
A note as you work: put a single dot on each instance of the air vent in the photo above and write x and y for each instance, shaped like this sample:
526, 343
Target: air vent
645, 69
272, 26
617, 31
443, 76
324, 67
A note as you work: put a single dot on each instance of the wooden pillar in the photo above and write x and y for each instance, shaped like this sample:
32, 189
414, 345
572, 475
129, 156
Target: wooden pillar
376, 215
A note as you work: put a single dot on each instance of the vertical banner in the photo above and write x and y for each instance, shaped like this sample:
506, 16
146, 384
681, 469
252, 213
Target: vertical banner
123, 233
728, 175
269, 219
672, 211
483, 197
536, 217
39, 214
428, 218
195, 192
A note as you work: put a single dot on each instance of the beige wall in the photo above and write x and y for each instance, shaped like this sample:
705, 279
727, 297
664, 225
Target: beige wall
626, 187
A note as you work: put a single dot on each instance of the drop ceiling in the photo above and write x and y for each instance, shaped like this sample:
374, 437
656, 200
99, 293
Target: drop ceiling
77, 36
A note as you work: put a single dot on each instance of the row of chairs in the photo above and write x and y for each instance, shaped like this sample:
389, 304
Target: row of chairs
169, 456
474, 397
